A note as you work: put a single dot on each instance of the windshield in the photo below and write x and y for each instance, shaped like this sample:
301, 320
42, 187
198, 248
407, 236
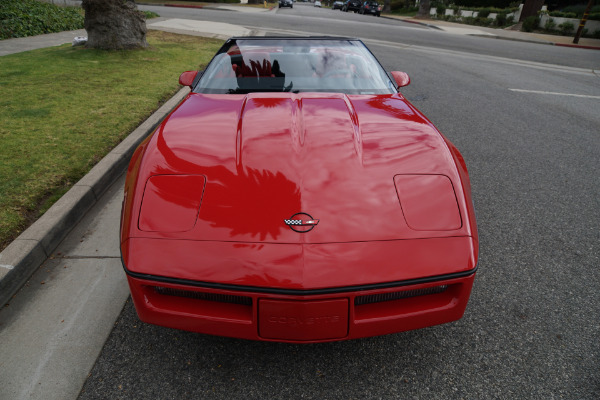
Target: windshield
294, 65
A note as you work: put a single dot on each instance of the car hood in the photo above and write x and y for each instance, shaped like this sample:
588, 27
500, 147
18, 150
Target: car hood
267, 156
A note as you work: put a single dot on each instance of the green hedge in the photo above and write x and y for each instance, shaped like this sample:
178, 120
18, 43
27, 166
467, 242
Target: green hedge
19, 18
579, 9
530, 23
561, 14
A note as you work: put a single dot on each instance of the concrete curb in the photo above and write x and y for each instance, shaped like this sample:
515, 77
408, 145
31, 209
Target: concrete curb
27, 252
412, 22
513, 39
578, 46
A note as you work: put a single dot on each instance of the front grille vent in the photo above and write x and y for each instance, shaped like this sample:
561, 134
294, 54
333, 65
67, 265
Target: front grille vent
221, 298
380, 297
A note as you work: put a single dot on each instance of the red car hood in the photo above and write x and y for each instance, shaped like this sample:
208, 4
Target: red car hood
268, 156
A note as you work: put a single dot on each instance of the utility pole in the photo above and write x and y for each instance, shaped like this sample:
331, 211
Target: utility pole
582, 23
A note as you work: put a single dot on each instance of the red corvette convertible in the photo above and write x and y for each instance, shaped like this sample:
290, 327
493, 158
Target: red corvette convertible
295, 195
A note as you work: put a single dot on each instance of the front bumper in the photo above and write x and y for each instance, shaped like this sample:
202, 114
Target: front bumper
327, 315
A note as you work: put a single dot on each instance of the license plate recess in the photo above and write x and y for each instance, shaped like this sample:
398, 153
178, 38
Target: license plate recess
303, 320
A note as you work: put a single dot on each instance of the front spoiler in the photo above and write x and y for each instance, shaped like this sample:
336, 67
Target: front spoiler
300, 318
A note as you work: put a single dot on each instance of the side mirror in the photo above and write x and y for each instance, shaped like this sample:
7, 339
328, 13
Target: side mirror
402, 79
187, 78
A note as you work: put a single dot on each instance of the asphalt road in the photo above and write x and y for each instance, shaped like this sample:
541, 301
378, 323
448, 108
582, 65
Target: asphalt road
308, 20
532, 327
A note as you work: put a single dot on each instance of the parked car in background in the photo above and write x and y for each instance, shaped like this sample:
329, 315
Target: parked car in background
337, 5
351, 5
286, 3
317, 3
371, 7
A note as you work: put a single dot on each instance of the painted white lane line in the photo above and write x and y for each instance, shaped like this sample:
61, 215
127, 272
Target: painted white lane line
555, 93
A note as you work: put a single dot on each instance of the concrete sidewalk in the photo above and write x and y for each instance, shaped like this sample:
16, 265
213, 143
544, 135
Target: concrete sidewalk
18, 45
218, 30
194, 27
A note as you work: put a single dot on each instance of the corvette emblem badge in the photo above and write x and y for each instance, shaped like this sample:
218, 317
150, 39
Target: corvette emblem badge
301, 222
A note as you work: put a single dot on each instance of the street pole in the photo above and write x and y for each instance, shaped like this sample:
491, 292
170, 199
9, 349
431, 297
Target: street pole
582, 23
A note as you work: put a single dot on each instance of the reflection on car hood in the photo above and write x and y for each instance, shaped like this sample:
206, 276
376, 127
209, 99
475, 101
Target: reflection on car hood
267, 156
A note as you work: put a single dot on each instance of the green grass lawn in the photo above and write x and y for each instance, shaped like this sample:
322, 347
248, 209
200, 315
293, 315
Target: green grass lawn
64, 108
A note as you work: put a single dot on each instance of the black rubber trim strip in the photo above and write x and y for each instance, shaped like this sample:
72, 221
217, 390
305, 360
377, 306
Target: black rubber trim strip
298, 292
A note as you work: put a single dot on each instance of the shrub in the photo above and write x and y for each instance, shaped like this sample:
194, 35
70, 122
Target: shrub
482, 21
579, 9
456, 10
440, 10
550, 25
150, 14
501, 19
510, 19
470, 20
560, 14
530, 23
566, 28
484, 13
19, 18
